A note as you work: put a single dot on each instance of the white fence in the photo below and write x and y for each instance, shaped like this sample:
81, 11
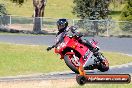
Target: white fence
91, 27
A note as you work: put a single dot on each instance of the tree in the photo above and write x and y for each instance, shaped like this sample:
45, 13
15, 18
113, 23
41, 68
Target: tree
39, 7
20, 2
92, 10
38, 12
126, 15
3, 10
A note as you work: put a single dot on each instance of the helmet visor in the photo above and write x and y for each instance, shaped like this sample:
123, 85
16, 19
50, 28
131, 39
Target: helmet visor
60, 27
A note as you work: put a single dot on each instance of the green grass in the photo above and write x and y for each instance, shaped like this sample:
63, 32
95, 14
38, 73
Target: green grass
115, 10
54, 8
25, 59
115, 15
117, 58
105, 86
28, 59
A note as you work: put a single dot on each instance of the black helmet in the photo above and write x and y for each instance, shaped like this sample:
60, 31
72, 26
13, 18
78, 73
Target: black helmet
62, 24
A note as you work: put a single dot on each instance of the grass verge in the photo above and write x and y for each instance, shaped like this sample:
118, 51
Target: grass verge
105, 86
28, 59
117, 58
54, 8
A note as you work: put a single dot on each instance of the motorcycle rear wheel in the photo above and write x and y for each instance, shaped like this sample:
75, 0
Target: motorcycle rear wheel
69, 64
104, 64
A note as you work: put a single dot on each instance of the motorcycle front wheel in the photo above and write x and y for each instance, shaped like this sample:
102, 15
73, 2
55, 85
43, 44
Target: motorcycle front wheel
69, 63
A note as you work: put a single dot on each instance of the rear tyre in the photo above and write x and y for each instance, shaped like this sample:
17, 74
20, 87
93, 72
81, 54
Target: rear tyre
69, 64
104, 65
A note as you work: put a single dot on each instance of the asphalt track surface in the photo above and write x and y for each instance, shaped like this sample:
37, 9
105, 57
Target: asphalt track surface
122, 45
119, 69
114, 44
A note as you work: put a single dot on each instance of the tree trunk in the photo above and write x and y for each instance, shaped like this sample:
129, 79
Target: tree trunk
37, 25
39, 6
96, 27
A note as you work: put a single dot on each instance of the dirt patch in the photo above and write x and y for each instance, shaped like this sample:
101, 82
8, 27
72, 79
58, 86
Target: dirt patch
61, 83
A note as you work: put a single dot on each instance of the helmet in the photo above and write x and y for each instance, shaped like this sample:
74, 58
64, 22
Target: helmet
62, 25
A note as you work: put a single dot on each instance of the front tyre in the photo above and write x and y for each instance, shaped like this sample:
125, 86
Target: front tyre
81, 80
69, 63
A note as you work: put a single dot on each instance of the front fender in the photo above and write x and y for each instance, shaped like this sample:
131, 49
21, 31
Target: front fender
70, 53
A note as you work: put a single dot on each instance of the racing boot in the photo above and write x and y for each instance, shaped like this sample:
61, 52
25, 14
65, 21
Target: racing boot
95, 50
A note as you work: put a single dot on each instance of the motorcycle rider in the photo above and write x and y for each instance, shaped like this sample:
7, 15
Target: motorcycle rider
63, 29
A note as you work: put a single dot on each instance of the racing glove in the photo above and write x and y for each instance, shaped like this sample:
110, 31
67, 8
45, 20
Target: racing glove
49, 48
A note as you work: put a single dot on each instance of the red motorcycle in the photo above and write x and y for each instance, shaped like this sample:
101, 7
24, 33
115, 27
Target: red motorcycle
76, 54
